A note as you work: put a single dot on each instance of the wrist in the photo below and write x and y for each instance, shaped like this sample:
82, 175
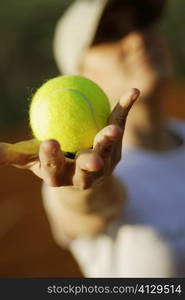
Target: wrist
100, 199
73, 212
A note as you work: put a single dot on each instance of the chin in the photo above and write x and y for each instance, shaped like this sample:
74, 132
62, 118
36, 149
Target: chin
155, 82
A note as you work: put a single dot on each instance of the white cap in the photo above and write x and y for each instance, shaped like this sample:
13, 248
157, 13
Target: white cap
75, 32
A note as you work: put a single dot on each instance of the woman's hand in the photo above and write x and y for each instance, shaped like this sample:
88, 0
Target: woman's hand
48, 162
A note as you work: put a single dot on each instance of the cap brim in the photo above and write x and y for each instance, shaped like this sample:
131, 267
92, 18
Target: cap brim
75, 32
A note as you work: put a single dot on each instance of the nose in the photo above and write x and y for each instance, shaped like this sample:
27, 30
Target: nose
133, 41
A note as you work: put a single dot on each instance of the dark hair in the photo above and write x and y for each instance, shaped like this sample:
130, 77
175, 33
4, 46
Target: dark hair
144, 12
140, 13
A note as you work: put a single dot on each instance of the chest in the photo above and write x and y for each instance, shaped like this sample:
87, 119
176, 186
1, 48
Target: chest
156, 195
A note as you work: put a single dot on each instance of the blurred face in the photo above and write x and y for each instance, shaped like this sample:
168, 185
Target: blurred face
140, 59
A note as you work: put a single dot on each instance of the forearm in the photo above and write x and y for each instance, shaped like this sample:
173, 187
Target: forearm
73, 212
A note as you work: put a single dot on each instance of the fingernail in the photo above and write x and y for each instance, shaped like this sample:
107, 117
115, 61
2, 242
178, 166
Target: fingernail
135, 93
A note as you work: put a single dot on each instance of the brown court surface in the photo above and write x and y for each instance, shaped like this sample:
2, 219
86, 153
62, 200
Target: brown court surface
27, 248
26, 245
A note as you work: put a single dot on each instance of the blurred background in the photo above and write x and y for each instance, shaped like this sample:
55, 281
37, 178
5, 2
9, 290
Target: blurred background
26, 59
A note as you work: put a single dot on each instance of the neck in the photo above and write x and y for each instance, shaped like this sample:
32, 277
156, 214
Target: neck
146, 129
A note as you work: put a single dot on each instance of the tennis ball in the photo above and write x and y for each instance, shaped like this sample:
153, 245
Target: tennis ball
70, 109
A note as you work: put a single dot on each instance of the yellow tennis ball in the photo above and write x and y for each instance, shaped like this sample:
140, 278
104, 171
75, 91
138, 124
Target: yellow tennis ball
70, 109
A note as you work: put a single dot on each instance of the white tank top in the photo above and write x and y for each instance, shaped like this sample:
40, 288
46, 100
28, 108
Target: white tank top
149, 239
156, 189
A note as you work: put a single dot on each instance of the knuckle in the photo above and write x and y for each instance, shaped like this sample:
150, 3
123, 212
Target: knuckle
82, 184
107, 150
50, 165
111, 127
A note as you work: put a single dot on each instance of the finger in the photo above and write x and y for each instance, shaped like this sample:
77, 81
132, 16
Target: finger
52, 162
88, 168
121, 110
19, 154
88, 161
119, 117
105, 139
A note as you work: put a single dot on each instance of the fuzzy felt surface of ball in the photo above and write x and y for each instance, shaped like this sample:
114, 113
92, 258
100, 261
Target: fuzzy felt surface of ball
70, 109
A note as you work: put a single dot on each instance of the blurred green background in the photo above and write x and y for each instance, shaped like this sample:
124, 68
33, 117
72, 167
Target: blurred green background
26, 56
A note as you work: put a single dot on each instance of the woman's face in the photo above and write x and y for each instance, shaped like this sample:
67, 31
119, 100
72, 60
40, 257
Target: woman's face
140, 59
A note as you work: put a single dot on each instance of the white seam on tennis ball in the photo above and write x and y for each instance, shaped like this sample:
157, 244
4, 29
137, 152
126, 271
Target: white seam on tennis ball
86, 100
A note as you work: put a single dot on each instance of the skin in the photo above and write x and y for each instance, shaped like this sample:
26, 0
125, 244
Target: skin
84, 189
48, 162
139, 59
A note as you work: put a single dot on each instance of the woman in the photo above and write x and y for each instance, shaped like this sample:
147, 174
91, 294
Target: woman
121, 215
